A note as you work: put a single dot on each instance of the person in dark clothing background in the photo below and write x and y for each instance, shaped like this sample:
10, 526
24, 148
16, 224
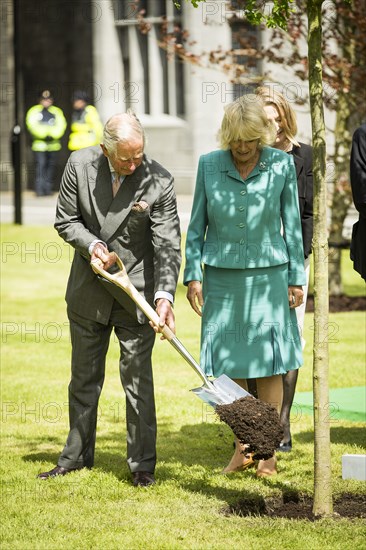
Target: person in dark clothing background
358, 184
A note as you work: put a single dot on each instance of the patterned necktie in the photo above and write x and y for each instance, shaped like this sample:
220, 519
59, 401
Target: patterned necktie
116, 184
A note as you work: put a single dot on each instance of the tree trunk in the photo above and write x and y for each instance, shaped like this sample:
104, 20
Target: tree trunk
323, 503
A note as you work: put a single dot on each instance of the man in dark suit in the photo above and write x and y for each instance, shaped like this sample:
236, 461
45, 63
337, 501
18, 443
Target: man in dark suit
116, 200
358, 183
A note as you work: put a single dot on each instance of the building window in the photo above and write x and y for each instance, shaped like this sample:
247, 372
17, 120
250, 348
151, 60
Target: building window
245, 42
156, 74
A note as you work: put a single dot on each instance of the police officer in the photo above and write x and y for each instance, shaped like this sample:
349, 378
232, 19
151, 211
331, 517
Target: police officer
46, 125
86, 126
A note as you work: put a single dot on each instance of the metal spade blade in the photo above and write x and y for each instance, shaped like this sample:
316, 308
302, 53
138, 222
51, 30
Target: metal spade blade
225, 391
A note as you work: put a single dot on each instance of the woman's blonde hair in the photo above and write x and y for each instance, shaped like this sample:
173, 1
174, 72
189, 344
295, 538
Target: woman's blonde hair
245, 120
286, 112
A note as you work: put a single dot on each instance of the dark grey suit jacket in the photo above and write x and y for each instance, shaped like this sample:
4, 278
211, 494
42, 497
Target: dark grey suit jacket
148, 242
358, 183
303, 158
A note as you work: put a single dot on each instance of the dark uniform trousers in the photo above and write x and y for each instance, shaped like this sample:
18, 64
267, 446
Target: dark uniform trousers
90, 342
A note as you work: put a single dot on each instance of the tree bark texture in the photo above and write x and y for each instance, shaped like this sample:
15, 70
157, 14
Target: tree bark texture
323, 503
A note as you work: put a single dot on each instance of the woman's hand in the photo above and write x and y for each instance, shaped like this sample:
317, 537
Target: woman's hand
295, 296
195, 297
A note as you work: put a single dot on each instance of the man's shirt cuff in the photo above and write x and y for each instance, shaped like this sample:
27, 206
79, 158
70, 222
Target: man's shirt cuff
163, 294
92, 245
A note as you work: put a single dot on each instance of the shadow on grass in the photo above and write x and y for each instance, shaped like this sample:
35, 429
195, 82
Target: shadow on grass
193, 452
109, 457
346, 435
193, 458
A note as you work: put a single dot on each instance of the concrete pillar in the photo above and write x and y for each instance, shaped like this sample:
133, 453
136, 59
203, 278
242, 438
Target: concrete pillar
107, 59
207, 90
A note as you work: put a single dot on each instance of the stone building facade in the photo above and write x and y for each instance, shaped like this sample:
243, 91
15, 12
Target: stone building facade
97, 46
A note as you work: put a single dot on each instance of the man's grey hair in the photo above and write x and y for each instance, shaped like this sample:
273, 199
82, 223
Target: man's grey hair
121, 128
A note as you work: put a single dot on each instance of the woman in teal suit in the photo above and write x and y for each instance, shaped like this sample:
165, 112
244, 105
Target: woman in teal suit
244, 259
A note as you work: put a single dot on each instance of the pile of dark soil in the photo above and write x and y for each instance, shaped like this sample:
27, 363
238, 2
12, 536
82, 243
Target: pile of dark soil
296, 506
340, 303
256, 424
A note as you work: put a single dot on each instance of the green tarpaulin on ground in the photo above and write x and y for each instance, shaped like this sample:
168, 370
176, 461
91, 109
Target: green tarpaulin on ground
344, 403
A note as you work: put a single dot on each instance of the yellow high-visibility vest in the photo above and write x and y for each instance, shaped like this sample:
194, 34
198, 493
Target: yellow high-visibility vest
46, 126
86, 129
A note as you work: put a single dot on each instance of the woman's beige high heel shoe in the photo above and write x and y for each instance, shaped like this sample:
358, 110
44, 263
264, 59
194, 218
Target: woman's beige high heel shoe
240, 460
267, 468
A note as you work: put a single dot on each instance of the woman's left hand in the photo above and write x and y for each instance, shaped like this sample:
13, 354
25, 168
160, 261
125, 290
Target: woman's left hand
295, 296
195, 296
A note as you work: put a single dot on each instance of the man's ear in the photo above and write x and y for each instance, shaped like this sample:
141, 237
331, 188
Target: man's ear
105, 152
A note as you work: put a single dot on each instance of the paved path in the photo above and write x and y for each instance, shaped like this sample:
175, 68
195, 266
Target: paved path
41, 210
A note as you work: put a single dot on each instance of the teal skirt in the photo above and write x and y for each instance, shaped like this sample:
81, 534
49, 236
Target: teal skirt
248, 328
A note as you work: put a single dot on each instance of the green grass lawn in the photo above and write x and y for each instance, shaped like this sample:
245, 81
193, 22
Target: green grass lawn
99, 508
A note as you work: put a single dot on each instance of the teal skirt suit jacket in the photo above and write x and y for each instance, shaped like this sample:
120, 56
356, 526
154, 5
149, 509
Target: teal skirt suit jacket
244, 242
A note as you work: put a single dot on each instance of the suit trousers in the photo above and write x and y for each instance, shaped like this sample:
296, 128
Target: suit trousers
90, 342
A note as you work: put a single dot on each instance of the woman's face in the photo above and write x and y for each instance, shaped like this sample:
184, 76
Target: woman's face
273, 114
244, 151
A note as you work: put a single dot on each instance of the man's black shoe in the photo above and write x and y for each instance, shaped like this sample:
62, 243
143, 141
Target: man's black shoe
143, 479
57, 471
285, 447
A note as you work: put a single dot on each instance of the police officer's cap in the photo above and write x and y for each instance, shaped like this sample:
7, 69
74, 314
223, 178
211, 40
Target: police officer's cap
80, 94
46, 94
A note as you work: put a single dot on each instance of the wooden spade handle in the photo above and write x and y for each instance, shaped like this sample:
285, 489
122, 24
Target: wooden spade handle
122, 280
